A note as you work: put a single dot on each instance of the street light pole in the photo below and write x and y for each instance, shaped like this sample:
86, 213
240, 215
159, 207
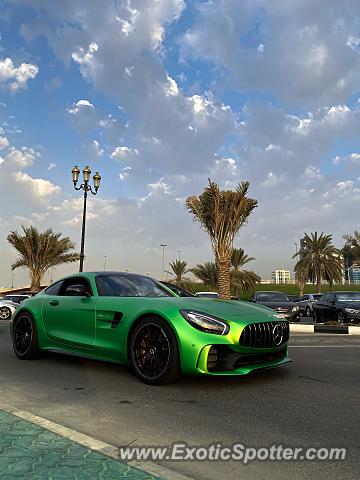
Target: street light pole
179, 252
163, 245
104, 263
87, 188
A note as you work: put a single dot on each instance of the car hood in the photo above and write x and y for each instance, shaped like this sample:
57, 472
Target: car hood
273, 305
227, 309
8, 303
354, 305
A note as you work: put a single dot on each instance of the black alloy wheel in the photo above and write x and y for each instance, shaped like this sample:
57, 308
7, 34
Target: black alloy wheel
340, 317
25, 341
308, 311
5, 313
153, 352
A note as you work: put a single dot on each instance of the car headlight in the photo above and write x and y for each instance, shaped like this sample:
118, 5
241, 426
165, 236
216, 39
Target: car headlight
295, 309
351, 310
205, 323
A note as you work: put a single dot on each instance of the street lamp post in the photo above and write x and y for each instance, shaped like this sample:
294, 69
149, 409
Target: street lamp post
179, 252
163, 245
87, 188
105, 262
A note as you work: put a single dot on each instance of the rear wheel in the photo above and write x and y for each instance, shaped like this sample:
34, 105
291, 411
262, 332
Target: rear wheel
308, 311
340, 317
153, 352
25, 338
5, 313
316, 316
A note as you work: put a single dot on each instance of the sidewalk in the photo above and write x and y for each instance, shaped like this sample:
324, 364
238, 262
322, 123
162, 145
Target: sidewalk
28, 451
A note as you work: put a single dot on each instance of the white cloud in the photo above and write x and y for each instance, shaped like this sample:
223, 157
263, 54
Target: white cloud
95, 149
308, 53
16, 78
39, 187
23, 157
123, 152
4, 142
51, 166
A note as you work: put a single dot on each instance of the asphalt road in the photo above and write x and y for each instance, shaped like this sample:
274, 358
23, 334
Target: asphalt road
312, 402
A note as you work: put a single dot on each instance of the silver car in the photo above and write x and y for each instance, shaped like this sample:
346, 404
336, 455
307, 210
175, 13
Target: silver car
306, 303
9, 303
7, 309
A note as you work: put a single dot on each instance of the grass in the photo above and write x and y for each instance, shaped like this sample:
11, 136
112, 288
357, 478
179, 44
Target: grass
289, 289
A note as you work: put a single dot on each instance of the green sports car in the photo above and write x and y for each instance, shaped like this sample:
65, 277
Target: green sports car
134, 320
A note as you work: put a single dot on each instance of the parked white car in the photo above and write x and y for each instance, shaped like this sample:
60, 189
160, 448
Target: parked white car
207, 294
307, 301
7, 309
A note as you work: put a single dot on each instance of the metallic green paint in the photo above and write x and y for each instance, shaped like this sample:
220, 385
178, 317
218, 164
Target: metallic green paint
84, 325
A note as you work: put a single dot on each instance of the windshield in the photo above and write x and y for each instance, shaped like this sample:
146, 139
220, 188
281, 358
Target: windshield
348, 297
272, 297
117, 285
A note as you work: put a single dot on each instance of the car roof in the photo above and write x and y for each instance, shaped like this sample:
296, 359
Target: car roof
270, 291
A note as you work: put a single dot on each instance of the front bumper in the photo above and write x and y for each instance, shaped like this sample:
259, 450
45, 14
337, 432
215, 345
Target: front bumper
222, 360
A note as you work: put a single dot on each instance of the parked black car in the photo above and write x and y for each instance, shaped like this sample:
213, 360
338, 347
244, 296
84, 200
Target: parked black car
342, 307
178, 290
279, 302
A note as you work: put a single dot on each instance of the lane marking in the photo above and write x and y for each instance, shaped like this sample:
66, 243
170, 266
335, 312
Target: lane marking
324, 346
99, 446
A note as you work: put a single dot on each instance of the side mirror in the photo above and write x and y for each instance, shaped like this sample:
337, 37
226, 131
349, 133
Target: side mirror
77, 291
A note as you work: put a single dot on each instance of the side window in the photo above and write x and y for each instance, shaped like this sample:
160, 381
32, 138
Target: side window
64, 291
54, 289
302, 298
306, 297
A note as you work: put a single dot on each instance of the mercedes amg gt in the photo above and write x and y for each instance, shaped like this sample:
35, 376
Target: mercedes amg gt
134, 320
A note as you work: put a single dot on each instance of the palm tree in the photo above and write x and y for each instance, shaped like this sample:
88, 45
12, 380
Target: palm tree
208, 273
179, 270
40, 251
221, 214
351, 250
242, 279
301, 276
320, 259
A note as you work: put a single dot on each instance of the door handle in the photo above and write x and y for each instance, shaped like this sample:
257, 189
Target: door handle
54, 303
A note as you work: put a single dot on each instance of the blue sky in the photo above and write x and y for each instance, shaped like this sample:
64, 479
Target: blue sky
159, 96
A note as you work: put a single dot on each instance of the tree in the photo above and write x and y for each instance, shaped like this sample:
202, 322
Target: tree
242, 279
221, 213
40, 251
301, 276
208, 273
179, 270
351, 250
320, 259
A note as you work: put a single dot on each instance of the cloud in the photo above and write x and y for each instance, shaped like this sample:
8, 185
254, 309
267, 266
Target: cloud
124, 153
301, 52
4, 142
23, 157
39, 187
16, 78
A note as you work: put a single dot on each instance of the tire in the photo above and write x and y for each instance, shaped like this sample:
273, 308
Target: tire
25, 337
316, 316
341, 317
153, 352
308, 311
5, 313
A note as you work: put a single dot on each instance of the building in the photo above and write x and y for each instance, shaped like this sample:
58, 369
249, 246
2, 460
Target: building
280, 276
354, 274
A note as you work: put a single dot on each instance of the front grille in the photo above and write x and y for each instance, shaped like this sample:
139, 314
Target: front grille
265, 335
282, 309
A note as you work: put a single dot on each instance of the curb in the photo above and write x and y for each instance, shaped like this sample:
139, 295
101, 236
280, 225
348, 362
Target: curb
92, 443
342, 330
